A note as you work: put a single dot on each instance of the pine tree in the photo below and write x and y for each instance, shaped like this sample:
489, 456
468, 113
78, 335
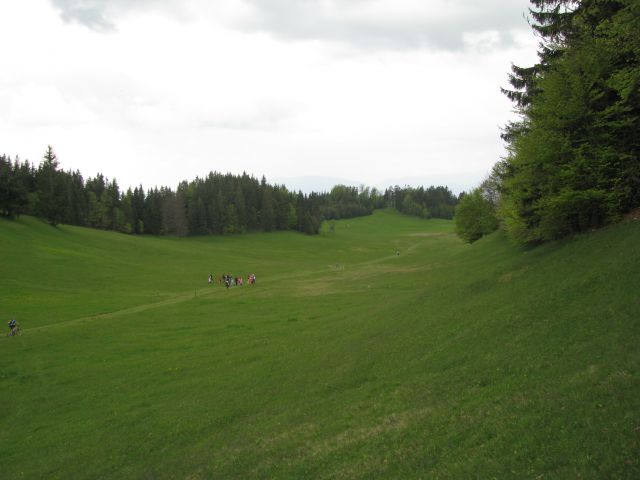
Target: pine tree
240, 209
50, 188
267, 216
137, 209
13, 193
152, 215
573, 160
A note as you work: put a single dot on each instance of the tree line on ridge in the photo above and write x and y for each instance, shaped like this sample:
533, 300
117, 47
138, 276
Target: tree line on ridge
217, 204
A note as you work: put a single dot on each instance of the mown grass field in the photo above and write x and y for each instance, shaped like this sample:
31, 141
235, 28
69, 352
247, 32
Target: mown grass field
343, 361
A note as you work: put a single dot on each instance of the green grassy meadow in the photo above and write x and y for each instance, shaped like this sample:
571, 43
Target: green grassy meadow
343, 361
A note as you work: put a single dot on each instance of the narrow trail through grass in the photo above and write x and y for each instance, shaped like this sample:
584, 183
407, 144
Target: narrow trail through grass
185, 297
288, 277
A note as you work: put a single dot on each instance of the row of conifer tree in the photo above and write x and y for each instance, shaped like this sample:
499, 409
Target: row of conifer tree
216, 204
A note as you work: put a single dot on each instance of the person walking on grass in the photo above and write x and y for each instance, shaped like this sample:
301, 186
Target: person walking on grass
14, 328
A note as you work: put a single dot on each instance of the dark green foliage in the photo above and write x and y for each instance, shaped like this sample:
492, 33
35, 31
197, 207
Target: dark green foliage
432, 202
13, 193
348, 202
152, 212
51, 201
572, 211
267, 215
174, 213
475, 216
77, 203
218, 204
573, 162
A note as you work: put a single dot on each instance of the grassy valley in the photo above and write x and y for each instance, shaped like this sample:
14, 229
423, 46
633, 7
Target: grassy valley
345, 360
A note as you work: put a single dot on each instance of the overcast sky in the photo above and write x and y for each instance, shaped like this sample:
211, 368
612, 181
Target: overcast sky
158, 91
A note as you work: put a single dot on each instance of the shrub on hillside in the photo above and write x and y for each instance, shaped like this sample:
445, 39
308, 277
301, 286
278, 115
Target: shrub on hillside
475, 216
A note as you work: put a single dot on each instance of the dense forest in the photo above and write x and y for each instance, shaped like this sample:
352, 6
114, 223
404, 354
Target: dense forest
431, 202
216, 204
572, 162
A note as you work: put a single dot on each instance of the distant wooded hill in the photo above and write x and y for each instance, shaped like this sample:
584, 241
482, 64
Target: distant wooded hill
217, 204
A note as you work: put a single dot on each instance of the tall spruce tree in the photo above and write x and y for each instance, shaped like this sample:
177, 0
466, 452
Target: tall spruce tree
573, 160
267, 214
51, 195
13, 192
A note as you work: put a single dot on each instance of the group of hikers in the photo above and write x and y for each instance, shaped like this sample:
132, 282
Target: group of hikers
228, 280
232, 281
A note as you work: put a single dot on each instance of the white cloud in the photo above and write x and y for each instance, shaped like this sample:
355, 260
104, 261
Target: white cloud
397, 24
228, 86
36, 105
393, 24
102, 15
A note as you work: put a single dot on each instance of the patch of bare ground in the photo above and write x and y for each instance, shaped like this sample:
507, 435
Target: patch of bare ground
633, 214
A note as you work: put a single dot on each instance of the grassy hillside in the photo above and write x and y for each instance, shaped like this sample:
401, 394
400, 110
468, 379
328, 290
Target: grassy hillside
344, 361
